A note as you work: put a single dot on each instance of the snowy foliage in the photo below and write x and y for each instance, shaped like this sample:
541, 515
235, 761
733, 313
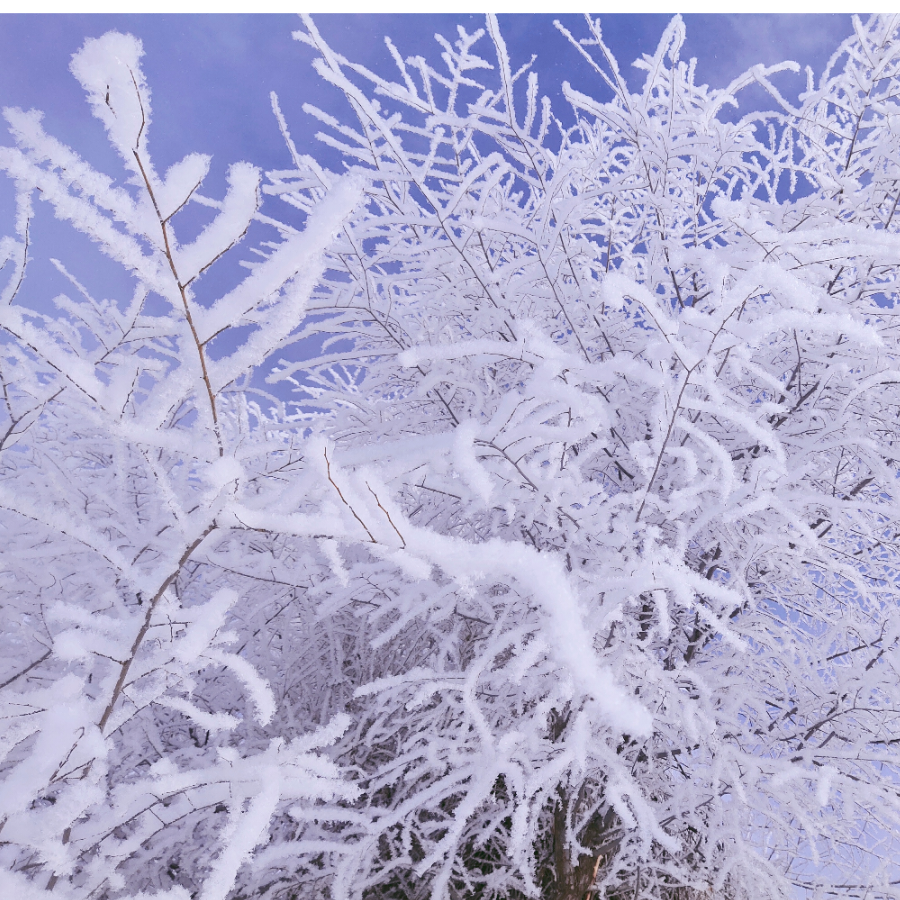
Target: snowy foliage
564, 563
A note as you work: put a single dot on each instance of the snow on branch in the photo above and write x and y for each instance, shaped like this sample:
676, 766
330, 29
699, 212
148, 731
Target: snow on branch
523, 524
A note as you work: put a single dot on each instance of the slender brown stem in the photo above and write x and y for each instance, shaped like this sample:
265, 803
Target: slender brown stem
662, 449
344, 499
126, 665
182, 290
387, 514
26, 670
139, 637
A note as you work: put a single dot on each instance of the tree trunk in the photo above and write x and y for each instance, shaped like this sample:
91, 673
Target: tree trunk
575, 878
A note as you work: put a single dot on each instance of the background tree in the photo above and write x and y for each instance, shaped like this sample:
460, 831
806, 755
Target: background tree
567, 567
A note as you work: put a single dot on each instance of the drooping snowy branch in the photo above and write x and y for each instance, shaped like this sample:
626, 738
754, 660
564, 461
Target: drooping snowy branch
564, 563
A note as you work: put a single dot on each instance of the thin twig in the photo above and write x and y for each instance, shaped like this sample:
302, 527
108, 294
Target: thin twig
344, 499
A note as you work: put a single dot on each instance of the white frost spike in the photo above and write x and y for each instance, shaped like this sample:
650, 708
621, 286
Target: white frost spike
228, 227
244, 832
205, 622
109, 70
180, 182
471, 471
210, 721
552, 589
330, 548
294, 269
257, 687
823, 789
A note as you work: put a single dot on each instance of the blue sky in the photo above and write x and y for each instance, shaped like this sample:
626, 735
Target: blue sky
211, 75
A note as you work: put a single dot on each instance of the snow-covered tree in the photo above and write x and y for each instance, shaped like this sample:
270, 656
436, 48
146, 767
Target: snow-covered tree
561, 567
137, 739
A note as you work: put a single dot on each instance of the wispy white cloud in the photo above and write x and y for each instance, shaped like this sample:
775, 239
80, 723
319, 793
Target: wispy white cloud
726, 45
